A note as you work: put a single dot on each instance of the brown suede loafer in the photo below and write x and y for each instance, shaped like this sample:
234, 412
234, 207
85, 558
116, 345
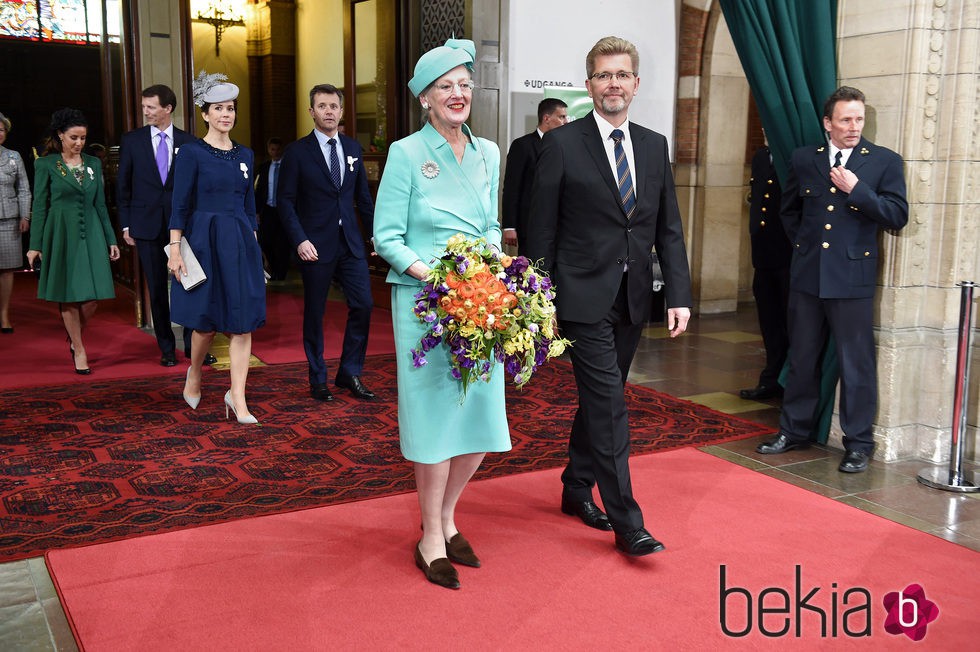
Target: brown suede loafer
458, 550
440, 571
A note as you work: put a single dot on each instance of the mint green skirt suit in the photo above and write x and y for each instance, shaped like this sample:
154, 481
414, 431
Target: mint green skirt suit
415, 216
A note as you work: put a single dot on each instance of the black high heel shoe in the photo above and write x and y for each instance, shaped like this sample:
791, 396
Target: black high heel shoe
71, 352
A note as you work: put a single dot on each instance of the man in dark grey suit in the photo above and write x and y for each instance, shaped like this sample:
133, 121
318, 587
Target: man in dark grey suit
837, 198
519, 176
603, 199
144, 192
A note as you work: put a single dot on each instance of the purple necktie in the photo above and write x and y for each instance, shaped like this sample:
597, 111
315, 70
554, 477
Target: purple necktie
163, 157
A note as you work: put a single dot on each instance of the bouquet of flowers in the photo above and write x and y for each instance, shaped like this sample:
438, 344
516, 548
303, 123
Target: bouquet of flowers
487, 308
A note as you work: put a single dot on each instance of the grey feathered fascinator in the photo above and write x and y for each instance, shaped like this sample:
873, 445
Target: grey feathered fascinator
212, 88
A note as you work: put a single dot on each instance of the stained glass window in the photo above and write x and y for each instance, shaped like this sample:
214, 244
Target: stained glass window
71, 21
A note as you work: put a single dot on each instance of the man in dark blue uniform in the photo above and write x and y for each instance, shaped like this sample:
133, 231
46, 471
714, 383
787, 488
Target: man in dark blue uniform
771, 253
837, 198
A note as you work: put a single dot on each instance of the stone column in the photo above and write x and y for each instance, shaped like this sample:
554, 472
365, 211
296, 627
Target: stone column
271, 48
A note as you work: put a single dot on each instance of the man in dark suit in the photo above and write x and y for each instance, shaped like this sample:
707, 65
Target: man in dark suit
838, 197
321, 180
272, 235
595, 236
519, 176
144, 195
771, 253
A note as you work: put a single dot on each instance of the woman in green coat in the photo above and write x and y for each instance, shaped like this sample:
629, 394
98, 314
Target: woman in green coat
71, 235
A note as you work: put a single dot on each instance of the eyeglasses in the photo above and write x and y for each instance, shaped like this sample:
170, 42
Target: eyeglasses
605, 77
464, 87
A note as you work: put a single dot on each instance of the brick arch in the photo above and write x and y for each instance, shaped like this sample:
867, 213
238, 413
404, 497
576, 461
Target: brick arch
712, 141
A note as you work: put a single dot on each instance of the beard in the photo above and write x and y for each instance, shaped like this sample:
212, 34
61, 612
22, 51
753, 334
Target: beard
613, 104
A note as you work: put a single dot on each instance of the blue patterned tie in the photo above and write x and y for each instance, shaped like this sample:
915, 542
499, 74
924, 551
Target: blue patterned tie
334, 162
623, 177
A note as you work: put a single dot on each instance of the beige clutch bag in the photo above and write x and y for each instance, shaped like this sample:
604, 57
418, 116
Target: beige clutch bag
195, 273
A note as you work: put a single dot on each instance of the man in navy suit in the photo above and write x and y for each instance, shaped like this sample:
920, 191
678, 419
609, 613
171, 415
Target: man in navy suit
272, 235
144, 192
837, 198
321, 180
603, 199
519, 176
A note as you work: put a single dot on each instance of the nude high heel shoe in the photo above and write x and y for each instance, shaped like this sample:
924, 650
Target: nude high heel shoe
192, 401
230, 408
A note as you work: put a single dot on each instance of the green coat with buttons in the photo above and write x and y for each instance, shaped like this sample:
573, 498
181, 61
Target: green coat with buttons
71, 229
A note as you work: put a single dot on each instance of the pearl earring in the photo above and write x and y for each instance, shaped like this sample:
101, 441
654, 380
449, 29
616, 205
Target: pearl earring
425, 105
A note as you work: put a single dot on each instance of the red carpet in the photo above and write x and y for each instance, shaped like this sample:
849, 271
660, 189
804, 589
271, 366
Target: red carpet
105, 460
342, 577
37, 354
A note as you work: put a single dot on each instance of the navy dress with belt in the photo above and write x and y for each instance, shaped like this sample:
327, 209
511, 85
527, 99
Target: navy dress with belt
214, 205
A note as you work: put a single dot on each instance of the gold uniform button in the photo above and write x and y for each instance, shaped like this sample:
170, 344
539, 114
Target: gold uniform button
766, 195
826, 245
763, 209
833, 189
762, 223
827, 226
769, 181
751, 179
831, 208
807, 191
867, 253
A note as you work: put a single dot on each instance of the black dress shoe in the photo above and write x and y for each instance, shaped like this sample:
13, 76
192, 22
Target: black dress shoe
780, 444
168, 359
7, 330
586, 510
440, 571
854, 462
320, 392
638, 542
761, 392
208, 358
355, 386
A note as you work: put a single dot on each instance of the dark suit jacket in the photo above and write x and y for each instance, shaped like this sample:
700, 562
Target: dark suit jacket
262, 183
143, 200
835, 235
581, 233
518, 183
309, 204
770, 246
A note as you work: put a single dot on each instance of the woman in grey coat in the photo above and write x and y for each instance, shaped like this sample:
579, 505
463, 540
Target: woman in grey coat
15, 218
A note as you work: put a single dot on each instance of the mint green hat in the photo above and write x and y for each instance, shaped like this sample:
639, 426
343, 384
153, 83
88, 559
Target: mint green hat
438, 61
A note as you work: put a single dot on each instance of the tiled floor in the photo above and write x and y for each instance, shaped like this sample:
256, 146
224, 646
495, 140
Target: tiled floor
708, 365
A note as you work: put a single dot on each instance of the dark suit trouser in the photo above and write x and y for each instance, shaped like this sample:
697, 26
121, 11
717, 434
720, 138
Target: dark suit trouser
850, 321
599, 445
771, 290
153, 258
352, 272
275, 243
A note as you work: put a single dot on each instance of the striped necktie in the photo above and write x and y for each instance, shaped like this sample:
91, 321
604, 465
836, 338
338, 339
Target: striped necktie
623, 177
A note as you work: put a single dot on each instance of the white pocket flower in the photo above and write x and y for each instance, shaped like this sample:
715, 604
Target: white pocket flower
244, 169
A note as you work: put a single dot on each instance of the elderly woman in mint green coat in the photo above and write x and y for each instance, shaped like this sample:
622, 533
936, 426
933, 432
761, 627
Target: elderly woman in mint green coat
439, 181
71, 234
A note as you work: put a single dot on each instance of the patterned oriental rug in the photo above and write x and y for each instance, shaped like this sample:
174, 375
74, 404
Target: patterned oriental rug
81, 464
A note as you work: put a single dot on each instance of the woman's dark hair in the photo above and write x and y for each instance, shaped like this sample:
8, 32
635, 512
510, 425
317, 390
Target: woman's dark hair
61, 121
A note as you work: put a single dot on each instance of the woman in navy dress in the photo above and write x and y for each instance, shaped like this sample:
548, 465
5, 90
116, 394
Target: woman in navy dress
214, 208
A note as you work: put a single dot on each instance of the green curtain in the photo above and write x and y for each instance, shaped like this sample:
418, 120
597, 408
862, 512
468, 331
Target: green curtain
787, 50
